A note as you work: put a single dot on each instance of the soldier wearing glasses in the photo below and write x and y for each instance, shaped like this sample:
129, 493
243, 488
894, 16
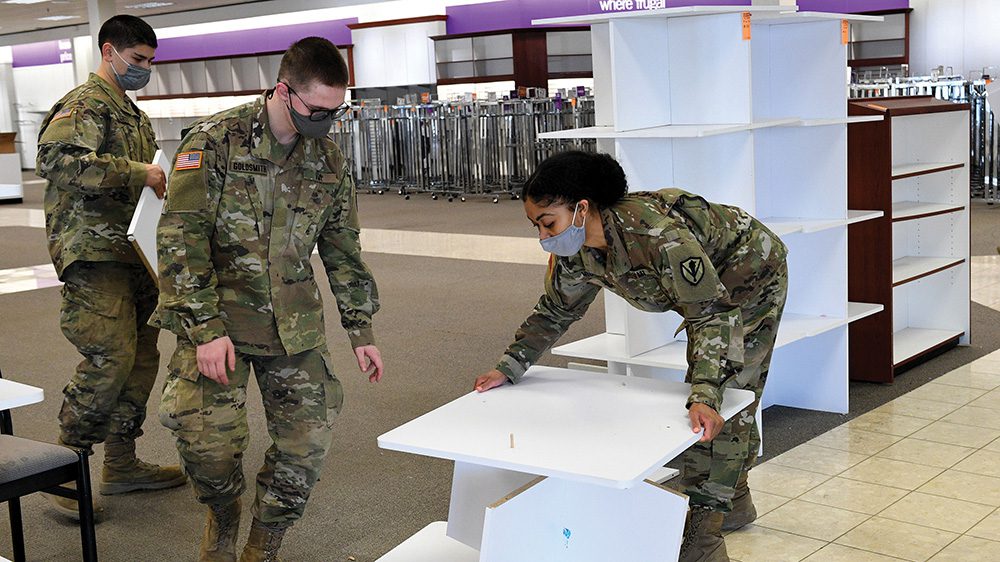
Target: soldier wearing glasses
252, 192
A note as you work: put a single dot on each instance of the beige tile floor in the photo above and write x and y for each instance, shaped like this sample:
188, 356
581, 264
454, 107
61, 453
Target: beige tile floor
916, 479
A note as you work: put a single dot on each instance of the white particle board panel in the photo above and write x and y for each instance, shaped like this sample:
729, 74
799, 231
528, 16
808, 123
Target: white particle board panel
681, 12
910, 210
931, 137
574, 425
562, 521
666, 131
431, 544
817, 273
858, 310
858, 215
840, 121
899, 171
935, 302
909, 342
799, 171
473, 488
910, 268
600, 41
784, 226
810, 373
648, 330
945, 187
709, 66
790, 18
782, 54
945, 235
635, 81
615, 309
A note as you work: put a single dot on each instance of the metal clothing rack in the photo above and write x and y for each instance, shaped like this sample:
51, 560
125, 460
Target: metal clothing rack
458, 149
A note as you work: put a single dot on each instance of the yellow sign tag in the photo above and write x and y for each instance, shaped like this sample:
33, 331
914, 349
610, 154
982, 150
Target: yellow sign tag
746, 26
845, 32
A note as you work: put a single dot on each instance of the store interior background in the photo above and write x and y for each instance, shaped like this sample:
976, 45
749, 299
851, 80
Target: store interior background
450, 300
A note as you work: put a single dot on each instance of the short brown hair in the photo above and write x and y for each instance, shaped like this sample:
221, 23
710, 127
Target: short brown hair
313, 60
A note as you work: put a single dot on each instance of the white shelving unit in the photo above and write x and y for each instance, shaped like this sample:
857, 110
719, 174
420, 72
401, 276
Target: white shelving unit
684, 97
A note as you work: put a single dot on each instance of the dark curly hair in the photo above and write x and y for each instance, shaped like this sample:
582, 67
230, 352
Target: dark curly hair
568, 177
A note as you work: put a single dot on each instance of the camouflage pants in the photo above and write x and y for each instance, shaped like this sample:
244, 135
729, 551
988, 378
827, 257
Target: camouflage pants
105, 306
711, 470
301, 399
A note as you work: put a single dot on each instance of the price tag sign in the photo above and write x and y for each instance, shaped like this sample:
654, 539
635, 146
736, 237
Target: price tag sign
845, 32
746, 26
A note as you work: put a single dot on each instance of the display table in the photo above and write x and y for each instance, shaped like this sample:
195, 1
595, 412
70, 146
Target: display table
555, 468
10, 170
14, 394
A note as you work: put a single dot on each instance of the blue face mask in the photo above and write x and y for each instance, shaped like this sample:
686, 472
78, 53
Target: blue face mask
135, 77
569, 241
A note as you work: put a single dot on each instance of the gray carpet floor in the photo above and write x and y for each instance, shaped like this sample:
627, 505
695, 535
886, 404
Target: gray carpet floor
442, 323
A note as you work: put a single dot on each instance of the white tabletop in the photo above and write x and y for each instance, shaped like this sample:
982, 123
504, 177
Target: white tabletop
14, 394
603, 429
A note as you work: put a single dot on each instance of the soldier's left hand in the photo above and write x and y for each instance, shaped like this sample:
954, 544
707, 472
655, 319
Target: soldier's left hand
369, 361
703, 416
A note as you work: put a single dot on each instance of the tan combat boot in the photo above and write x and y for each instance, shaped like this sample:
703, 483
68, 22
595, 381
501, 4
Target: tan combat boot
743, 512
222, 526
263, 544
123, 472
703, 540
67, 506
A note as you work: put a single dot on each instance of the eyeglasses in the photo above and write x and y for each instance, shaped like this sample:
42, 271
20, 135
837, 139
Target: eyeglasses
320, 114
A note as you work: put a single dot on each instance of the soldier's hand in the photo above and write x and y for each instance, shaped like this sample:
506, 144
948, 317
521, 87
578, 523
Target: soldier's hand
369, 361
215, 356
703, 416
156, 179
490, 380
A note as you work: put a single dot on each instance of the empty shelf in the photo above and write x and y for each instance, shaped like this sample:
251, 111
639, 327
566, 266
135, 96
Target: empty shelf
431, 544
910, 342
911, 268
790, 225
662, 13
911, 210
858, 310
840, 121
665, 131
902, 171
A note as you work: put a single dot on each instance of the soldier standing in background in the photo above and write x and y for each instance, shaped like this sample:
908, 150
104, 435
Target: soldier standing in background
93, 148
717, 266
253, 191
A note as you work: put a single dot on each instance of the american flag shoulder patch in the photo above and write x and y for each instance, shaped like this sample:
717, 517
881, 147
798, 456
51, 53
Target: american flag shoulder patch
63, 113
188, 160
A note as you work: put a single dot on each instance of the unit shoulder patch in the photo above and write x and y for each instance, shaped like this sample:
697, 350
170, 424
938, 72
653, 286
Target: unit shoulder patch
190, 160
693, 270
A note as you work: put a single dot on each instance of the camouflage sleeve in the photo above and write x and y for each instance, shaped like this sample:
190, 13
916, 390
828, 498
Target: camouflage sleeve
567, 297
714, 325
188, 303
351, 281
68, 154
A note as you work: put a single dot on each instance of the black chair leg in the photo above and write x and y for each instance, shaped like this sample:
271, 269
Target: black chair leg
16, 529
85, 504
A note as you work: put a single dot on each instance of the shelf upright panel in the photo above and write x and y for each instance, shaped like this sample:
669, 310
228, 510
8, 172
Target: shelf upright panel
637, 81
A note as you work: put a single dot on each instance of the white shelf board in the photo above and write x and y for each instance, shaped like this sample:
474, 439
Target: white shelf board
903, 210
793, 327
784, 18
684, 11
839, 120
431, 544
909, 169
910, 342
666, 131
914, 267
783, 226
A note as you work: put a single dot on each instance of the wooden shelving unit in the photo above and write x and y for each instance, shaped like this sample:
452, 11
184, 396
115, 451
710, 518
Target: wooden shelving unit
915, 260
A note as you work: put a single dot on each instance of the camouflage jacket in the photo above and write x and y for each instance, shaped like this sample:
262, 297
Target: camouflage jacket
667, 250
223, 273
93, 147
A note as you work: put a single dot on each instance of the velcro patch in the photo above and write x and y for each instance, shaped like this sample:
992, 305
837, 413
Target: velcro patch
62, 114
258, 168
188, 160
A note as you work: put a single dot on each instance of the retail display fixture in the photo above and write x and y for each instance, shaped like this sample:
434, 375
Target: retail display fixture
564, 465
748, 109
914, 261
11, 189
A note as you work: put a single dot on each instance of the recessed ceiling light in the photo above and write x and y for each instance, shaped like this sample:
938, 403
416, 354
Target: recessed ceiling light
58, 18
24, 1
148, 5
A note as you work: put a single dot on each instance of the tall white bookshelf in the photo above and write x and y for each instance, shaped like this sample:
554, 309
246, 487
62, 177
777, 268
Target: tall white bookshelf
747, 108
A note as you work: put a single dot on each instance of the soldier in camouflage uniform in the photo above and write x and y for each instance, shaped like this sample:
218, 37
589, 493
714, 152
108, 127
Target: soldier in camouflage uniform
253, 191
717, 266
93, 148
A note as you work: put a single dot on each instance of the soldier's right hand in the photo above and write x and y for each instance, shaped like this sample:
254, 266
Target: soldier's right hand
490, 380
215, 356
156, 179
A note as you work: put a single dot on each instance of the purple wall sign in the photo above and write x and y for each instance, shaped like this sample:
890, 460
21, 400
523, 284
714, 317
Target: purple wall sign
43, 53
517, 14
251, 41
